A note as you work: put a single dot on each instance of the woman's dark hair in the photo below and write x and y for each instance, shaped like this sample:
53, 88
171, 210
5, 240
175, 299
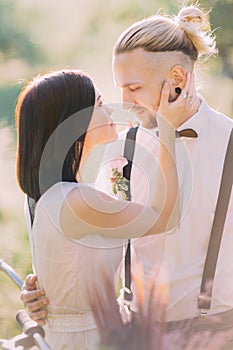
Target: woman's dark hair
43, 104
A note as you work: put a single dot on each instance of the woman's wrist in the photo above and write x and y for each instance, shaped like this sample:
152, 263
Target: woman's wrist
167, 133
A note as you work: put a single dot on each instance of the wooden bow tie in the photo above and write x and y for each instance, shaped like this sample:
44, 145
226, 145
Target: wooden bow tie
186, 133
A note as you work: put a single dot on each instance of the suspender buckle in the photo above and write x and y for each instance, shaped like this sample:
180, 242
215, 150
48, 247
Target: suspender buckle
202, 314
204, 302
127, 290
128, 295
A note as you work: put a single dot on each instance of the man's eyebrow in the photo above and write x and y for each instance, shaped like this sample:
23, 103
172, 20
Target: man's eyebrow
132, 83
98, 98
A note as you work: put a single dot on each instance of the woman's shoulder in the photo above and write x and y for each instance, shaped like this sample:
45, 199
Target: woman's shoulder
54, 197
60, 188
50, 203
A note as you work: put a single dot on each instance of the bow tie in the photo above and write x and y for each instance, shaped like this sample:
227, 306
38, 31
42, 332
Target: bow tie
184, 133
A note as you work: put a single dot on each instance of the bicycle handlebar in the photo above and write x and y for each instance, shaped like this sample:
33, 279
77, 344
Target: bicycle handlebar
32, 329
33, 333
29, 326
11, 273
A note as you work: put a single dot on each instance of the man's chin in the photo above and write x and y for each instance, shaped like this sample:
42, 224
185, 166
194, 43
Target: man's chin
147, 119
139, 111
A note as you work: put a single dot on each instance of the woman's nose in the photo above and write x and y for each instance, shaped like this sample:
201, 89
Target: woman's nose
108, 110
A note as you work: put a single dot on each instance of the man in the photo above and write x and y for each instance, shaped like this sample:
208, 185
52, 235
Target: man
147, 54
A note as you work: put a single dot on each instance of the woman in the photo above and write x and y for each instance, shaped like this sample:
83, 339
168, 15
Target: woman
51, 109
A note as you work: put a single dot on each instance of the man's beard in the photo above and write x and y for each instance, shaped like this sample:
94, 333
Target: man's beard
148, 119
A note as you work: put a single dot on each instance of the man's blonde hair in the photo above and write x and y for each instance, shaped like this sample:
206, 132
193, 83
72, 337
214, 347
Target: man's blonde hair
189, 33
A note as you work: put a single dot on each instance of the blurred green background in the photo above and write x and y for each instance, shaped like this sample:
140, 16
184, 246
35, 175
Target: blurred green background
37, 36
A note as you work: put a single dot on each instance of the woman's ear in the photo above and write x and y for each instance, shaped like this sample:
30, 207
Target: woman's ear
178, 76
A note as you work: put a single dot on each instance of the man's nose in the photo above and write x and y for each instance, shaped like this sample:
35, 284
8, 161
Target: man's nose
127, 99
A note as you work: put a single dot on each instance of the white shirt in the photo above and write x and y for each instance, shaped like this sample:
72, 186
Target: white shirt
183, 251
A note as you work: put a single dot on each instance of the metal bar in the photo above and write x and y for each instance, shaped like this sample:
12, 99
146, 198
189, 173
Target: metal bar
11, 273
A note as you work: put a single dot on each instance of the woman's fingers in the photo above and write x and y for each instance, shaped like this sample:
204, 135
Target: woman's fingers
31, 279
188, 92
39, 316
192, 87
193, 99
188, 84
30, 282
36, 305
34, 300
164, 95
164, 104
30, 296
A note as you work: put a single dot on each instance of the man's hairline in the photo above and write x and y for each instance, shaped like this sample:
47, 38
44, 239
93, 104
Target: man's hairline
185, 60
188, 65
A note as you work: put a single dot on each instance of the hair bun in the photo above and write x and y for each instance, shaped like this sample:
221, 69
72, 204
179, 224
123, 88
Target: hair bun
194, 17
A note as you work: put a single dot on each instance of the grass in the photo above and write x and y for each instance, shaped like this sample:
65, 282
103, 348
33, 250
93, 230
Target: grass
14, 244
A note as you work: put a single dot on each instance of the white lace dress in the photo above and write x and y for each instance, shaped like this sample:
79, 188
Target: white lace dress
65, 268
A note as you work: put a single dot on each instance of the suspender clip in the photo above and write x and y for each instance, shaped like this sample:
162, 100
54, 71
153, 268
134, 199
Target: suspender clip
202, 314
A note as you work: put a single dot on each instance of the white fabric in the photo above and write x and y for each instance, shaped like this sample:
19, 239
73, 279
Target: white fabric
65, 268
185, 248
69, 323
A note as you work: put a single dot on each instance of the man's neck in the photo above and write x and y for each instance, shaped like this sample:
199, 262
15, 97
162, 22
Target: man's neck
195, 107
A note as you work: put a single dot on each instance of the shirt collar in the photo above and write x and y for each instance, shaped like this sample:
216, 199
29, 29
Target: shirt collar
199, 119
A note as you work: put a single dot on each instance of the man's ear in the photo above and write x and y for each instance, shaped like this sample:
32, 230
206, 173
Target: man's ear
177, 76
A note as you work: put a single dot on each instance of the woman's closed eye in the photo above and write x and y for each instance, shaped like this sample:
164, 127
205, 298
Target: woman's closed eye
99, 100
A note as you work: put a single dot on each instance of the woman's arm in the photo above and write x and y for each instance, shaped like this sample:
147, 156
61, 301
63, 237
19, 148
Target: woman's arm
88, 211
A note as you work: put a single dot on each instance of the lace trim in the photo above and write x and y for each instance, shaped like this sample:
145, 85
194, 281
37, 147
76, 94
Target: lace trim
80, 322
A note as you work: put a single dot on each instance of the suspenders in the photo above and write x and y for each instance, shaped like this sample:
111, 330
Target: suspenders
31, 208
204, 299
128, 154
